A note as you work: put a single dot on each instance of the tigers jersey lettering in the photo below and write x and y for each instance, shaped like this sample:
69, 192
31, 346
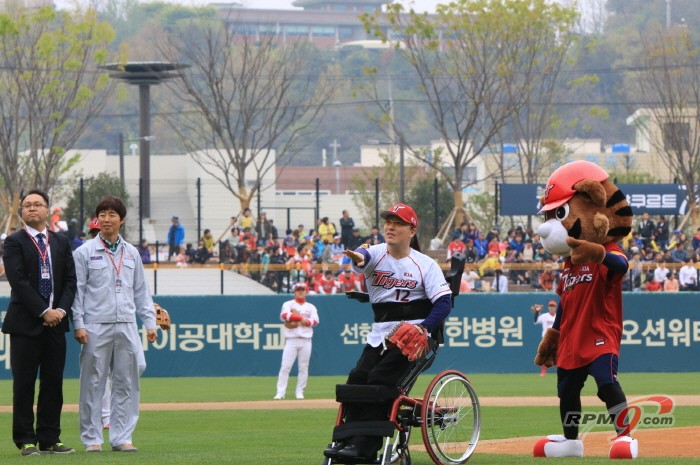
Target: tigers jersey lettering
592, 329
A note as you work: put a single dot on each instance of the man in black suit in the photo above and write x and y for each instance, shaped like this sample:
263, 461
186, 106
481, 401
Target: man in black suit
40, 268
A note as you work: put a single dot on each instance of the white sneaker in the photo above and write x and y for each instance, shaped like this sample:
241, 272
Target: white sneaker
278, 397
300, 396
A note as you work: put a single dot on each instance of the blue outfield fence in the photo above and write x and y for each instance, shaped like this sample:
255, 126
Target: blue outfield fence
485, 333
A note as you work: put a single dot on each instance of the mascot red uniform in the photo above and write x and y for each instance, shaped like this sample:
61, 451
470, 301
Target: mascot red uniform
585, 214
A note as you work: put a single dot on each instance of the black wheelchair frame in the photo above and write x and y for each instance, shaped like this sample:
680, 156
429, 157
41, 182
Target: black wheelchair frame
448, 414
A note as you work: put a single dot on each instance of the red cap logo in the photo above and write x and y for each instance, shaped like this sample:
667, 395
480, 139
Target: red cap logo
404, 212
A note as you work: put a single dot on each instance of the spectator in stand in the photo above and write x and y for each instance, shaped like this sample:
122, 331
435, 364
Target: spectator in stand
326, 255
646, 229
470, 253
517, 242
290, 242
500, 282
327, 284
661, 272
495, 231
248, 239
263, 229
528, 252
546, 279
661, 233
78, 241
326, 230
472, 232
176, 237
190, 252
347, 281
144, 252
652, 285
226, 253
337, 249
201, 255
355, 240
246, 220
679, 254
695, 242
633, 278
461, 233
346, 226
181, 258
481, 245
671, 283
273, 231
471, 279
300, 231
455, 246
688, 276
375, 237
208, 241
55, 219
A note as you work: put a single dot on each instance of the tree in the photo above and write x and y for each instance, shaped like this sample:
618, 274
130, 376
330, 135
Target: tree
50, 92
670, 82
95, 188
249, 101
467, 59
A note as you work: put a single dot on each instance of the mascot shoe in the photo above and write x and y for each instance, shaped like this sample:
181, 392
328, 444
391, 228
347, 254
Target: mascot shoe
556, 445
624, 448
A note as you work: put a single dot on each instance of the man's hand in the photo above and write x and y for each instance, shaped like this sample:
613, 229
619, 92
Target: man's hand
151, 335
81, 335
52, 317
357, 258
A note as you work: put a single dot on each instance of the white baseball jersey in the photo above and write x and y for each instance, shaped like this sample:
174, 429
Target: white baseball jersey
411, 278
546, 320
307, 311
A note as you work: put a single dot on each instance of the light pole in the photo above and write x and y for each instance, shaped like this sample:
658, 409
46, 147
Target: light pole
133, 147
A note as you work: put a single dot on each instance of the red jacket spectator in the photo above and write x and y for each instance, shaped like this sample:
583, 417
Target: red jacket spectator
347, 281
456, 246
326, 284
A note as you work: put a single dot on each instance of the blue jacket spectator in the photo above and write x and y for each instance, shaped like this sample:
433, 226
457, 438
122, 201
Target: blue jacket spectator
176, 237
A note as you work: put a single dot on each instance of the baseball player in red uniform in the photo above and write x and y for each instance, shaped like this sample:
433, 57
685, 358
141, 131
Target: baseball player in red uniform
299, 318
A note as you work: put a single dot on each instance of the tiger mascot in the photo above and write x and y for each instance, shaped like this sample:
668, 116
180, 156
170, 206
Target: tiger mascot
585, 214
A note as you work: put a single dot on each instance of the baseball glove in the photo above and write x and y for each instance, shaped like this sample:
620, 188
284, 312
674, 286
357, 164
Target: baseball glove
291, 324
537, 308
411, 340
162, 317
547, 350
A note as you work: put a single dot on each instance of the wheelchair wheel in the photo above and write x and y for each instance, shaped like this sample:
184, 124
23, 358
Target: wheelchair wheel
450, 419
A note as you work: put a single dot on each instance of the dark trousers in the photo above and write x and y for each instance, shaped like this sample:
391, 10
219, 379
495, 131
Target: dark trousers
375, 366
31, 355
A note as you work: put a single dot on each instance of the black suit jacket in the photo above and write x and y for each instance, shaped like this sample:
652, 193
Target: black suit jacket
21, 259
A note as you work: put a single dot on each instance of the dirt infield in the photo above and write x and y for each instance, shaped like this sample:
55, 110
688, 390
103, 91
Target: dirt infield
652, 442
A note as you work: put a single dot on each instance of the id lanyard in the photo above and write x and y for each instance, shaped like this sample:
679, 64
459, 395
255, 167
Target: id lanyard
44, 256
118, 269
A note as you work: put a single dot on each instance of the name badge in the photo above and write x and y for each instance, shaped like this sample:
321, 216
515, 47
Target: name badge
45, 274
119, 285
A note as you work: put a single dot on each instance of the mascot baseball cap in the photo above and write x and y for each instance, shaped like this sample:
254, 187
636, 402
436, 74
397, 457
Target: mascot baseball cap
560, 186
404, 212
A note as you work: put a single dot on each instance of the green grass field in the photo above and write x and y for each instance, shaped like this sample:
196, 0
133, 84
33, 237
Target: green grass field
243, 437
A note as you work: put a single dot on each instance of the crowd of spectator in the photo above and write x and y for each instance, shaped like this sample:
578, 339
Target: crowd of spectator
660, 259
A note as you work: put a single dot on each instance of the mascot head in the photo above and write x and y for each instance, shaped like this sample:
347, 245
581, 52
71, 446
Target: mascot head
580, 201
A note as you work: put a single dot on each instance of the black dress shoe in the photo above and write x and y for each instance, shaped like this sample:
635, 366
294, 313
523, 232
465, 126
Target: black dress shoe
332, 451
352, 452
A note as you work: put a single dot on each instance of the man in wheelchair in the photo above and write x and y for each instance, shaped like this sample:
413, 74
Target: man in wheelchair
410, 299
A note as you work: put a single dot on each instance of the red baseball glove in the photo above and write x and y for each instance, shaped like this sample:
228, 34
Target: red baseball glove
411, 340
547, 350
162, 317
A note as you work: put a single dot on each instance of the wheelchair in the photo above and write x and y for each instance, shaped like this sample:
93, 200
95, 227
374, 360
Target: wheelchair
448, 415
